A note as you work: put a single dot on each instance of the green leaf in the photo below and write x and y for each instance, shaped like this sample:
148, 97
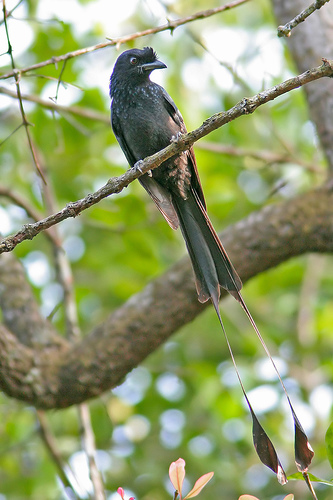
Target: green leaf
299, 475
329, 444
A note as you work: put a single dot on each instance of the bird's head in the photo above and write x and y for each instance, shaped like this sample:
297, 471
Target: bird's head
134, 65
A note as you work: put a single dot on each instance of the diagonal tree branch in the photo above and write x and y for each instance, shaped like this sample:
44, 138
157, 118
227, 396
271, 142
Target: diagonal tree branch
300, 18
314, 40
52, 373
117, 184
170, 25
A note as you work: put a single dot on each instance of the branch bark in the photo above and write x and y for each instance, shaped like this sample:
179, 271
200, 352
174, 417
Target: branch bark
53, 373
115, 185
310, 42
41, 368
170, 25
300, 18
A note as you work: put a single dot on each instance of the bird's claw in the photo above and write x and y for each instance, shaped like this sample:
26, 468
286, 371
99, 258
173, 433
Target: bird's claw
176, 137
138, 166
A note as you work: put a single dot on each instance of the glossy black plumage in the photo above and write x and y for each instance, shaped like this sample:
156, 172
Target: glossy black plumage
145, 119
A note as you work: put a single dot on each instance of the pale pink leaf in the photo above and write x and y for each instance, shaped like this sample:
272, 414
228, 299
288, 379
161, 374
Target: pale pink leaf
248, 497
289, 497
199, 484
177, 475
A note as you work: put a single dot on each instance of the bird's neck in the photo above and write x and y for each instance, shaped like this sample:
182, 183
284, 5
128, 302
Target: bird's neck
127, 86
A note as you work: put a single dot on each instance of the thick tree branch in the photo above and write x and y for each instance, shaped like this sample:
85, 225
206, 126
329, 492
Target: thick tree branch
117, 184
57, 374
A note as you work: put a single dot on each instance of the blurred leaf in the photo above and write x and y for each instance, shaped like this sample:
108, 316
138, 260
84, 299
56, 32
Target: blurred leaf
199, 484
299, 475
329, 444
177, 475
248, 497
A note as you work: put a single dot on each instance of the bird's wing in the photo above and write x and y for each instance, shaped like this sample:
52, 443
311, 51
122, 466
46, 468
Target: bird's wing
178, 119
117, 130
162, 199
158, 193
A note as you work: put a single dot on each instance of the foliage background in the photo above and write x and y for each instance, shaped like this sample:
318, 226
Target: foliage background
184, 400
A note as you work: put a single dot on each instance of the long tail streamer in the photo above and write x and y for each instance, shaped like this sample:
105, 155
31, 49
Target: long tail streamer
262, 443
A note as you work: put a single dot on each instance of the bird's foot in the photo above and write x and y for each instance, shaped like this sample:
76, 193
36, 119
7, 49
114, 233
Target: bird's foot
138, 166
176, 137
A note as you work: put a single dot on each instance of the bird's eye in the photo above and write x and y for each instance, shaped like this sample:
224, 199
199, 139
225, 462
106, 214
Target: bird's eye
133, 61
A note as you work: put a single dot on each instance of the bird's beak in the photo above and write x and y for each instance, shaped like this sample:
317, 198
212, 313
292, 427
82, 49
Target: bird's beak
153, 65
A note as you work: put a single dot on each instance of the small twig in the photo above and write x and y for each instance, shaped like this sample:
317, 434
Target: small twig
51, 446
88, 444
229, 67
10, 12
21, 202
309, 485
59, 80
66, 279
72, 326
64, 272
265, 156
90, 114
117, 184
31, 212
170, 25
17, 76
310, 286
13, 132
286, 29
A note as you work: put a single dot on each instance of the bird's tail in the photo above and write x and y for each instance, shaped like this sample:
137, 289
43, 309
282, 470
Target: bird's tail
213, 270
210, 261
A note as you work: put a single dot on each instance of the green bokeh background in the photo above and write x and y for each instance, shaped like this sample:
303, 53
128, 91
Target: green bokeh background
184, 401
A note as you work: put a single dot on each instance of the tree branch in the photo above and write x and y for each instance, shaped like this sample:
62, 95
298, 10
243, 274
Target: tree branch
90, 114
300, 18
54, 373
314, 40
19, 96
50, 444
170, 25
267, 157
89, 446
117, 184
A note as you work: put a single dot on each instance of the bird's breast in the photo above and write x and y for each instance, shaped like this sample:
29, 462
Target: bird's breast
147, 127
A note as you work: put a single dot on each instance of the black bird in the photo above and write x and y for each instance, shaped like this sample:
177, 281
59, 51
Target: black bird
145, 120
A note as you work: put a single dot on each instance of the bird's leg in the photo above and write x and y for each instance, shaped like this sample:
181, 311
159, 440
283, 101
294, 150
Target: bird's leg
138, 166
176, 137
